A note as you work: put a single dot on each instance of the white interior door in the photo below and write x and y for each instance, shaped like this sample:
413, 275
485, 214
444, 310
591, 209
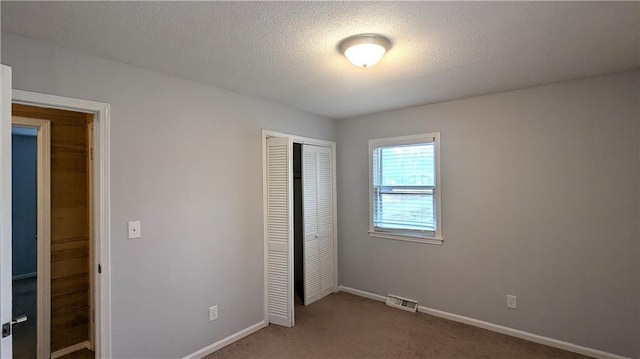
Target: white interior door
311, 266
280, 230
5, 207
326, 240
317, 184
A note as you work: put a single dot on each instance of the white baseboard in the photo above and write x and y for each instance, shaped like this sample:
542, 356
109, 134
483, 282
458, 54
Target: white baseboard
68, 350
362, 293
226, 341
24, 276
497, 328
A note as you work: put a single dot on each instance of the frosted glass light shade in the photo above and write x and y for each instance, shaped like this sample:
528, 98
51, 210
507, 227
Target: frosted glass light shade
365, 55
365, 50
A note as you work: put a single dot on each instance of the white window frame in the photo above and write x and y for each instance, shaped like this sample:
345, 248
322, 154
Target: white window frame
437, 238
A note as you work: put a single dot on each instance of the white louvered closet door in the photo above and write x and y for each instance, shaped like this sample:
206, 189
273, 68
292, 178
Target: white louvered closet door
325, 221
280, 230
317, 182
310, 223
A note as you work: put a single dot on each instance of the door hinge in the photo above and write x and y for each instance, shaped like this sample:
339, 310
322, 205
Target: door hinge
99, 268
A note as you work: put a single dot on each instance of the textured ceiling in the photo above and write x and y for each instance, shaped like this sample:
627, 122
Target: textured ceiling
287, 51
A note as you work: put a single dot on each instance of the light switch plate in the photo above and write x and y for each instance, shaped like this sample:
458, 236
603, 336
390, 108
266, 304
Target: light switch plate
134, 229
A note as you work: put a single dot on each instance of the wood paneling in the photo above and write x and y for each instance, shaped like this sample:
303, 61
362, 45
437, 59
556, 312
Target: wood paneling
70, 223
70, 301
69, 318
65, 337
70, 284
71, 266
70, 249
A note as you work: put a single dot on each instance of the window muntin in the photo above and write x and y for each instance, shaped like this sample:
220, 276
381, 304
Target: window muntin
404, 191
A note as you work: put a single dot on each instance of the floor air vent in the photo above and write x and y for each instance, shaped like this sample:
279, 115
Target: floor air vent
409, 305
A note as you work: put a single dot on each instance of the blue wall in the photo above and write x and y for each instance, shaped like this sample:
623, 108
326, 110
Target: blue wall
25, 221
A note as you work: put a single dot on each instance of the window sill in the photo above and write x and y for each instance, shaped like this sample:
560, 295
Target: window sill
399, 237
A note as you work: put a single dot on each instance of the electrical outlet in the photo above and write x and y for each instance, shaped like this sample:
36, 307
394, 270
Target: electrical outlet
213, 313
512, 301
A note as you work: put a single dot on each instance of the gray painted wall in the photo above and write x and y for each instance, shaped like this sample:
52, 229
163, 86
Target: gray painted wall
187, 162
540, 200
522, 173
24, 200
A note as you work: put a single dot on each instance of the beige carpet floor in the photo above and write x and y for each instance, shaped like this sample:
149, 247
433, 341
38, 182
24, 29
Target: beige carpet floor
342, 325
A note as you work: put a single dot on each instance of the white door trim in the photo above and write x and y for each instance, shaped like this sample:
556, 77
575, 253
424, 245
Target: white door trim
101, 202
43, 230
305, 141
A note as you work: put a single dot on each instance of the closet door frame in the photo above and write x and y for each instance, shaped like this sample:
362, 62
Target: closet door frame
304, 141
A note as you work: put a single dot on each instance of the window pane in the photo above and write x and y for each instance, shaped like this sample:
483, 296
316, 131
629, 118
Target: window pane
406, 165
404, 182
405, 211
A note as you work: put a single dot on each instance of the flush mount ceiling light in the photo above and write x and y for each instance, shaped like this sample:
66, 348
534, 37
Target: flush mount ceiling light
364, 50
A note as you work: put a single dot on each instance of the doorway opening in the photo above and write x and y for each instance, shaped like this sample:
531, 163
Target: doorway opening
101, 212
31, 234
64, 294
24, 141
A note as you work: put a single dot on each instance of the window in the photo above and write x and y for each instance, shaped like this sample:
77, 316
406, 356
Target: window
405, 188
